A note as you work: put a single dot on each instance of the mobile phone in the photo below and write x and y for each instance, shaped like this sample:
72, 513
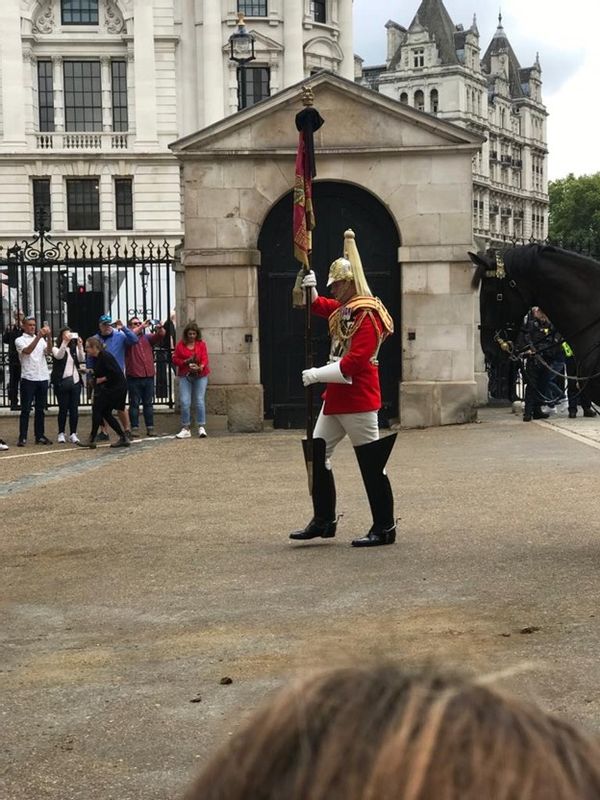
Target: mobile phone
45, 324
73, 335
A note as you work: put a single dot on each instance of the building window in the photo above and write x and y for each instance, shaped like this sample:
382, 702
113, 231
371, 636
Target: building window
45, 95
433, 101
42, 209
79, 12
318, 10
404, 97
418, 57
253, 85
83, 204
252, 8
124, 203
83, 96
119, 95
419, 100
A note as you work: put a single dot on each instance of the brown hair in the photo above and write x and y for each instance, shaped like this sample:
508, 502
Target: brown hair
191, 326
385, 734
97, 344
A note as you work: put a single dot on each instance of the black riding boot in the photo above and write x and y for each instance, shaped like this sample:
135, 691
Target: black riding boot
372, 459
324, 522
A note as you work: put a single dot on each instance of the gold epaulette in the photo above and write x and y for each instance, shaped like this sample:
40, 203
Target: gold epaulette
373, 304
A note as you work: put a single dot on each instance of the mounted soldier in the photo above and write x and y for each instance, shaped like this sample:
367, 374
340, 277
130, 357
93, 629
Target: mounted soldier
358, 325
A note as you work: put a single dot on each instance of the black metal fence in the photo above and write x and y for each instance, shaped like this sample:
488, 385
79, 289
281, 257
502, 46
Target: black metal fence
64, 284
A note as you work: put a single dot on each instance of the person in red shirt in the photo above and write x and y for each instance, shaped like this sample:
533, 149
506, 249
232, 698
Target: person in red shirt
140, 371
358, 324
191, 359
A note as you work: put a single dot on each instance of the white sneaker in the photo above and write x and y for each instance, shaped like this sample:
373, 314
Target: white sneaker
202, 433
61, 438
184, 433
73, 438
3, 445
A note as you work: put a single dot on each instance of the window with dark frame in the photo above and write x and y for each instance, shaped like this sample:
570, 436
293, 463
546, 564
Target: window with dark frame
42, 207
83, 96
252, 8
124, 203
45, 95
319, 10
120, 116
83, 204
253, 85
79, 12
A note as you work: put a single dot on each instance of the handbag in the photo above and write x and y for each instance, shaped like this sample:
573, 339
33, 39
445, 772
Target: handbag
67, 383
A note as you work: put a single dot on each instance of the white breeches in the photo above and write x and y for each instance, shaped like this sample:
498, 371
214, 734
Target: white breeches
361, 428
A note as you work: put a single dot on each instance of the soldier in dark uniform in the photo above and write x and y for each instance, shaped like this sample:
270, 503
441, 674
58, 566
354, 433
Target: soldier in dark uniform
538, 337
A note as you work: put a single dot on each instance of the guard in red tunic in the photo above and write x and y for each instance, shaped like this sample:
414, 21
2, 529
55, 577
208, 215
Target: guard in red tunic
358, 325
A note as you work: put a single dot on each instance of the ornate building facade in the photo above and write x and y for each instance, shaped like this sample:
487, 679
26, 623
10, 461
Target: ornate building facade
437, 67
93, 91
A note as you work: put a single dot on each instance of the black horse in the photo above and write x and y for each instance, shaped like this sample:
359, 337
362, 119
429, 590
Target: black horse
565, 285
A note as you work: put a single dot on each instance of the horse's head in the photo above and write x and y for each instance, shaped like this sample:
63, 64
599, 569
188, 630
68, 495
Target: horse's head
502, 306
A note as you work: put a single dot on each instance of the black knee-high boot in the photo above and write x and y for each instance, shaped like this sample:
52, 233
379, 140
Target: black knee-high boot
324, 521
372, 458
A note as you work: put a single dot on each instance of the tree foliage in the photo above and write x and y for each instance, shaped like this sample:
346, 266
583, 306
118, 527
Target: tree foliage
575, 210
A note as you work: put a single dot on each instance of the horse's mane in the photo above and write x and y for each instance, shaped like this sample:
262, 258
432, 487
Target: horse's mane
523, 257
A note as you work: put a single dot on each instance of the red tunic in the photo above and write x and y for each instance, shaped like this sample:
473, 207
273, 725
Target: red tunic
363, 394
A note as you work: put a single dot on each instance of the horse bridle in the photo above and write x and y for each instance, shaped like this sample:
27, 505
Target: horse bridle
500, 275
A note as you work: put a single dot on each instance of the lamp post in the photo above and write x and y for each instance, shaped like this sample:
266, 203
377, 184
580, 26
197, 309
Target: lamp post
241, 50
144, 275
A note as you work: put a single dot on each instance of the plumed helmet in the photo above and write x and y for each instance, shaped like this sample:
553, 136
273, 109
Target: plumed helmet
349, 267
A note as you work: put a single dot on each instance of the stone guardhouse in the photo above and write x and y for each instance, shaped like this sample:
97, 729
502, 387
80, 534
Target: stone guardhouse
402, 179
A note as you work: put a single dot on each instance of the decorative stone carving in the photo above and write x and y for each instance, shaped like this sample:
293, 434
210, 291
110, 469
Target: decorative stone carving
43, 19
113, 19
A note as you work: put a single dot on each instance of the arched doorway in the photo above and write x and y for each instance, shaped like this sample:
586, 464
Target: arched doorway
338, 206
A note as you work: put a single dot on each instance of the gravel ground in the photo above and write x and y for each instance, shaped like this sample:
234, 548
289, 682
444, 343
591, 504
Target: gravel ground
134, 581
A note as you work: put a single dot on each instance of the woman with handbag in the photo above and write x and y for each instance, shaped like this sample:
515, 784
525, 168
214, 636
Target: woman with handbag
67, 355
191, 359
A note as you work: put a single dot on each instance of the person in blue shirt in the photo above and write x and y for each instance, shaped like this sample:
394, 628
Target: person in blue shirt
116, 338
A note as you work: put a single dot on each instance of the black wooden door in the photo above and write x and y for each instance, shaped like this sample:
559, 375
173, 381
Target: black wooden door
338, 206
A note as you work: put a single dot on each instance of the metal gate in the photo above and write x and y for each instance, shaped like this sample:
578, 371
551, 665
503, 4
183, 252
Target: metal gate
66, 284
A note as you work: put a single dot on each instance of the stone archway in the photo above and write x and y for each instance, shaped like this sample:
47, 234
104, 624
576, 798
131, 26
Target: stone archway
338, 206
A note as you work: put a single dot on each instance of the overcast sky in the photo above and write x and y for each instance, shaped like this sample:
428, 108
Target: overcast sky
564, 34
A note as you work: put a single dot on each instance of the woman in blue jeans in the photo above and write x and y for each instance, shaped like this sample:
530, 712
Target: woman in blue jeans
191, 359
67, 356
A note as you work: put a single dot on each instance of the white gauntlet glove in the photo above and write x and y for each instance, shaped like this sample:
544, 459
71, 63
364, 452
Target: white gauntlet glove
330, 373
309, 281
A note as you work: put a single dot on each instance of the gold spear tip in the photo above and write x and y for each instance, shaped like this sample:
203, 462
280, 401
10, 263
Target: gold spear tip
308, 97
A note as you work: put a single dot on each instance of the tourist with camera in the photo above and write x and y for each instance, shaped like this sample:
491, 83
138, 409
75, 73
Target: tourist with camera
191, 359
67, 358
33, 347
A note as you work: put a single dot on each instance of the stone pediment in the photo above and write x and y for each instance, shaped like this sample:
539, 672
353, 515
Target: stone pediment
357, 120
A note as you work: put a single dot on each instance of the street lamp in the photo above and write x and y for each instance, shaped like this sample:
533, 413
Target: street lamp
144, 275
241, 44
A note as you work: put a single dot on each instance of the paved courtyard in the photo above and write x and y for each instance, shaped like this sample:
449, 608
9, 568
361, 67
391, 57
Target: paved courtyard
133, 582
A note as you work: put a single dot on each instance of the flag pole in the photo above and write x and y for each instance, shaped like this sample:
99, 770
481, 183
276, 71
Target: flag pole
307, 122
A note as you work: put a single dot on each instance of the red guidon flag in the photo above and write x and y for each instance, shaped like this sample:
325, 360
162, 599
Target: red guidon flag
307, 122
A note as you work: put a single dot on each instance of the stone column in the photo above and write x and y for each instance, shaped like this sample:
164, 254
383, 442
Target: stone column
59, 93
212, 62
293, 55
11, 64
106, 83
346, 38
145, 75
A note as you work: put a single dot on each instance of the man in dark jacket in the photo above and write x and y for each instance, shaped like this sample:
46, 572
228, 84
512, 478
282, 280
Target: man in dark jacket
540, 342
9, 337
